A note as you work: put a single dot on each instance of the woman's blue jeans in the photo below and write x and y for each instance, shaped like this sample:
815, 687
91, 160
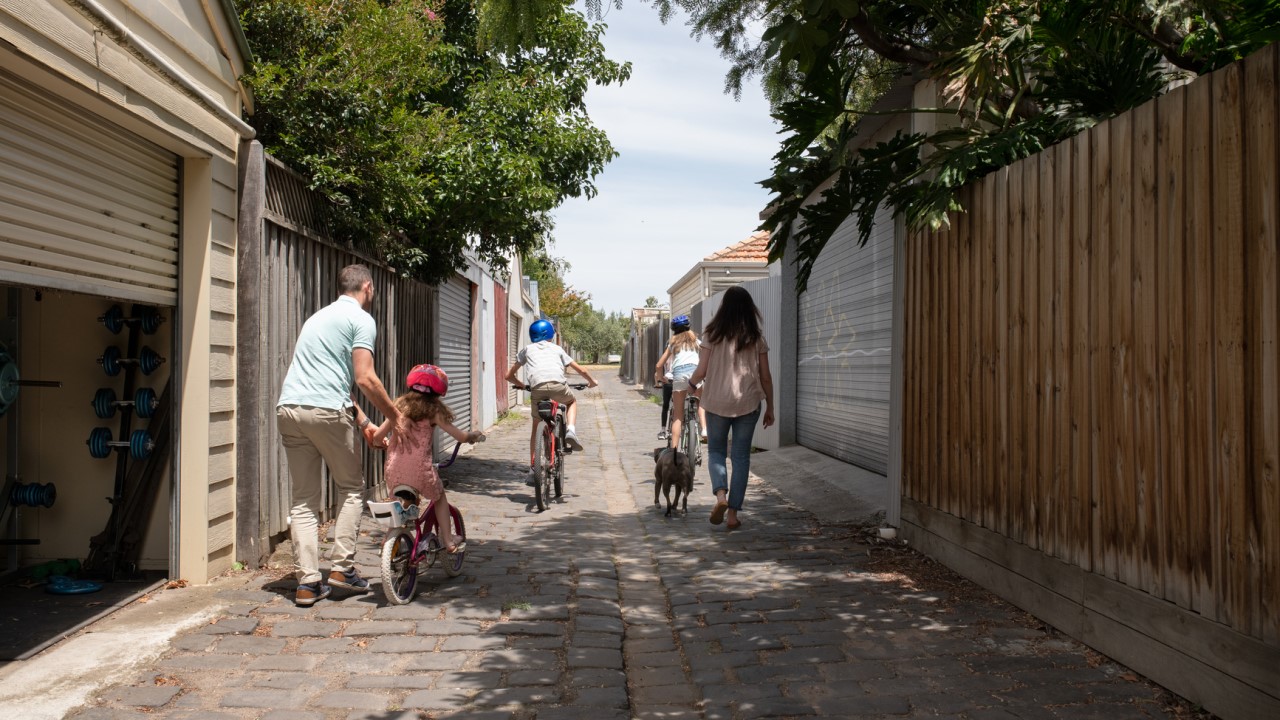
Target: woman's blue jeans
719, 430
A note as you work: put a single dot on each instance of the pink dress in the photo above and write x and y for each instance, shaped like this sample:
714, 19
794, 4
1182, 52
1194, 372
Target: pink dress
409, 462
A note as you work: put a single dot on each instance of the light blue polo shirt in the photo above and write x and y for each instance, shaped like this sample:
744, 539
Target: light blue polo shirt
321, 374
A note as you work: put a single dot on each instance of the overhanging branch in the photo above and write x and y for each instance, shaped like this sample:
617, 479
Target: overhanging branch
894, 50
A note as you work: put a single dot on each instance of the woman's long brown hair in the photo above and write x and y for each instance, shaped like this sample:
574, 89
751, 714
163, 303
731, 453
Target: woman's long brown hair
736, 320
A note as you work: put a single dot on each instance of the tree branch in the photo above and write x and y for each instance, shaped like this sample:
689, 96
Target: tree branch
1167, 40
895, 50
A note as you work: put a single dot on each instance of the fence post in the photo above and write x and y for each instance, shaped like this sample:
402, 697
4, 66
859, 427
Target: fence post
251, 541
784, 386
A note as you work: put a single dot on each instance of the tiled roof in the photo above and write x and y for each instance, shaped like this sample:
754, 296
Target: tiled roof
753, 249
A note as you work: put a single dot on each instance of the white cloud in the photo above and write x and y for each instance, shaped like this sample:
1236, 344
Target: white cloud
686, 182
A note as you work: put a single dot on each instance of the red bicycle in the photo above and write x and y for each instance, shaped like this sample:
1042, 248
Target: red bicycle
550, 449
410, 549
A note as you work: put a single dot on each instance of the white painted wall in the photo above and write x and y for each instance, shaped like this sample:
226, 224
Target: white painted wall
488, 350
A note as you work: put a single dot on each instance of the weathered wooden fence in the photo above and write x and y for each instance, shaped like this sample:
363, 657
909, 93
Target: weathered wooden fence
288, 269
642, 351
1092, 373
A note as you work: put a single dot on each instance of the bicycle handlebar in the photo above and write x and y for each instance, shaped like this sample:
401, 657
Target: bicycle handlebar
456, 449
524, 386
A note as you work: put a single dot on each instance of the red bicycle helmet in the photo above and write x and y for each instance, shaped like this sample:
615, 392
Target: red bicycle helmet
427, 379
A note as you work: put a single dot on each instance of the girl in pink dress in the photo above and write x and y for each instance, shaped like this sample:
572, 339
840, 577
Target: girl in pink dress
409, 462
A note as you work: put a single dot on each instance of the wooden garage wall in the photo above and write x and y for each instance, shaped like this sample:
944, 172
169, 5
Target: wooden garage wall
222, 370
69, 42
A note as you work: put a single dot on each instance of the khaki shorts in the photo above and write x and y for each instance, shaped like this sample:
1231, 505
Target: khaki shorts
557, 391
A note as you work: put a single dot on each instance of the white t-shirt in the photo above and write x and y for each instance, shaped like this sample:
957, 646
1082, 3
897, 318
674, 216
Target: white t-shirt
543, 362
685, 357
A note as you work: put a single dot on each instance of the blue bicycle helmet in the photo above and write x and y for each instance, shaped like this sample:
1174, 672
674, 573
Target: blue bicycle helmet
541, 330
679, 323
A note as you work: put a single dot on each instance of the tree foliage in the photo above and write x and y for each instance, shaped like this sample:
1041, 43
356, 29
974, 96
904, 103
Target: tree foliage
428, 144
556, 299
585, 329
1017, 76
592, 333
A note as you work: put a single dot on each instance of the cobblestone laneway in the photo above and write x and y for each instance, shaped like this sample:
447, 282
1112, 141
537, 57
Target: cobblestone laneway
602, 608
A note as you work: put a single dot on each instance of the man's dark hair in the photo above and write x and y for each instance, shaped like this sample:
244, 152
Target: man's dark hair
353, 277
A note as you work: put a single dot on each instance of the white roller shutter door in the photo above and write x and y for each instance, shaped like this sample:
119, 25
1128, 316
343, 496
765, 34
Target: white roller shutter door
455, 352
844, 352
84, 205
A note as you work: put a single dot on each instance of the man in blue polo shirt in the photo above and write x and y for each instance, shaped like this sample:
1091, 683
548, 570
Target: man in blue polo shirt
319, 419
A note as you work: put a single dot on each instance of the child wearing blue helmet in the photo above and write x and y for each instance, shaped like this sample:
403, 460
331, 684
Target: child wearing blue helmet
545, 362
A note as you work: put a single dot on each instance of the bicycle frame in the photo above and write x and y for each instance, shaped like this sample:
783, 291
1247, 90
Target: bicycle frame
551, 427
550, 442
427, 517
400, 564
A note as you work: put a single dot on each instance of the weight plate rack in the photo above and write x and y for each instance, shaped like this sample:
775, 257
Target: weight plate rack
130, 445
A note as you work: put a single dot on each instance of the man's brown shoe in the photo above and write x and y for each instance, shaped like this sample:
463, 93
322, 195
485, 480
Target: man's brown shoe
310, 594
349, 580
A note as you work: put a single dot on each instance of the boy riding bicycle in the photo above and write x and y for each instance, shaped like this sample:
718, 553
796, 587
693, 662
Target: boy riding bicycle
546, 362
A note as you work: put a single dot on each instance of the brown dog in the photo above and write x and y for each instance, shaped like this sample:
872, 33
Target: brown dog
672, 471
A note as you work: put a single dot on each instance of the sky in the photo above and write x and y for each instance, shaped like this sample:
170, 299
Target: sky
685, 182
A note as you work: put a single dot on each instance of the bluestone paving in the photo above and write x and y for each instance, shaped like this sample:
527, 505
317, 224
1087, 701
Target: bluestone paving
602, 608
153, 696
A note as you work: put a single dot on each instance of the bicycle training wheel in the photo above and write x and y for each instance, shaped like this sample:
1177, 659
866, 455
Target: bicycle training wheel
399, 571
453, 563
542, 471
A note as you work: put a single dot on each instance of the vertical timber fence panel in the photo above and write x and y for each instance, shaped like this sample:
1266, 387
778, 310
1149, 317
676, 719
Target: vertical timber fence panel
288, 270
1092, 401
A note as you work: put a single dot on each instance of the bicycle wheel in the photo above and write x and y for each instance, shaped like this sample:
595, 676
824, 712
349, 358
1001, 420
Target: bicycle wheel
542, 470
557, 474
693, 438
399, 571
453, 563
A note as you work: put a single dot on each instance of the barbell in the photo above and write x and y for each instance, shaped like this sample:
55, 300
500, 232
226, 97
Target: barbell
10, 382
144, 402
146, 318
33, 494
147, 361
139, 445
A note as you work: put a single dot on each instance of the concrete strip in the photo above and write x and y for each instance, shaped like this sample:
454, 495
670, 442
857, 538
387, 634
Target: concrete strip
108, 652
833, 491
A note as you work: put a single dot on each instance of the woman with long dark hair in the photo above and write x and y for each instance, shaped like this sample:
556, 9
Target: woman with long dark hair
734, 362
